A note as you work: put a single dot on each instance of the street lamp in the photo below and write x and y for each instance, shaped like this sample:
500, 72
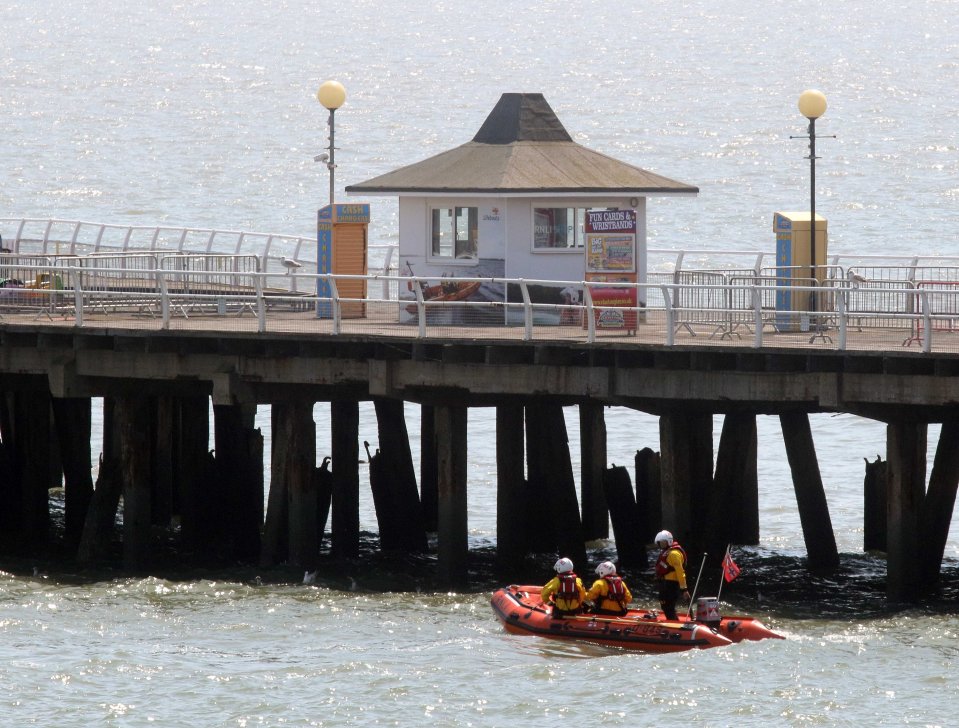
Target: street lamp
812, 105
332, 95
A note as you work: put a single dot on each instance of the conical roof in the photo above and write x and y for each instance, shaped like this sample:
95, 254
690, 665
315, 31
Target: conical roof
521, 148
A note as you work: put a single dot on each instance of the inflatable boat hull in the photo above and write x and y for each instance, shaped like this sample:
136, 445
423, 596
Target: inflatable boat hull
521, 611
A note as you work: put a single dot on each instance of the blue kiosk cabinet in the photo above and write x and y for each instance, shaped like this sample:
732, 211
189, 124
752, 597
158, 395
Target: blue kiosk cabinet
794, 267
341, 238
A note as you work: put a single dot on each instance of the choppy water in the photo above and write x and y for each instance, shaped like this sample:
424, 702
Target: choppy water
203, 114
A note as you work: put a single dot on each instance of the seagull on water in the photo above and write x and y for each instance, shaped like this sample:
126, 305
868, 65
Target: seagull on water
290, 264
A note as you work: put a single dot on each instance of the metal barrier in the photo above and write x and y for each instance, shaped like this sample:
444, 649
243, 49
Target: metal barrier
123, 291
700, 299
30, 283
941, 308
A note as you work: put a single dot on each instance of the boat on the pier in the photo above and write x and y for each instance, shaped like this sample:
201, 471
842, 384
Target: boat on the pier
521, 610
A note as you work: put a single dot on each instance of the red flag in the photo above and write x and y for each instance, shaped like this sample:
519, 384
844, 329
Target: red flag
730, 570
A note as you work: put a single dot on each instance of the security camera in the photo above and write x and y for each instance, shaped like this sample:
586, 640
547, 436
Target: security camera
321, 158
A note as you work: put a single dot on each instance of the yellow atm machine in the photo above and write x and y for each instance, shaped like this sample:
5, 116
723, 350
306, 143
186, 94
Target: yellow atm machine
341, 237
795, 265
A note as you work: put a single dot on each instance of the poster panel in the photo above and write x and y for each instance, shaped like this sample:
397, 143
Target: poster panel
610, 241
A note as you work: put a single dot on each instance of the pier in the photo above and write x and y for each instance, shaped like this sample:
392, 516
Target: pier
160, 356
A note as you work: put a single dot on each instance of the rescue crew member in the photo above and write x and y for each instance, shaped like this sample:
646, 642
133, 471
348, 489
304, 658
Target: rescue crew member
564, 591
670, 573
609, 593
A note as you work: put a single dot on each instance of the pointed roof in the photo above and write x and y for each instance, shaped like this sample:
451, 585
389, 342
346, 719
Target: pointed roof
521, 148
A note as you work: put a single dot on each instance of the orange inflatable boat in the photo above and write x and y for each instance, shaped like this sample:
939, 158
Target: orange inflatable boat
521, 611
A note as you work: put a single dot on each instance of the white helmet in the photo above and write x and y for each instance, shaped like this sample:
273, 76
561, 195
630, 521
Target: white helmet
607, 568
664, 536
563, 565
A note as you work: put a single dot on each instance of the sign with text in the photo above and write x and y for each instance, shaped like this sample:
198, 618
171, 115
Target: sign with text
614, 306
610, 241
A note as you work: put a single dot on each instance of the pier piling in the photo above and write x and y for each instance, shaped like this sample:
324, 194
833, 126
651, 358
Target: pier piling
592, 440
73, 420
906, 453
810, 496
736, 483
345, 448
511, 492
451, 467
874, 505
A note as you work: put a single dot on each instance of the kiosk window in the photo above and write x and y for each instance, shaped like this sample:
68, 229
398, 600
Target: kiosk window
558, 228
454, 232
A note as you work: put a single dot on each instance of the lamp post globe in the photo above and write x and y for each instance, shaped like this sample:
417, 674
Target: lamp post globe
331, 94
812, 103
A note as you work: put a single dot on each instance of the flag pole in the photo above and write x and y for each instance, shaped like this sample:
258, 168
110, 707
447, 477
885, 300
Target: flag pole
722, 573
689, 611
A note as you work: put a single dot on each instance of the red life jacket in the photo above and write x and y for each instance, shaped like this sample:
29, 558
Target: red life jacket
663, 567
615, 590
567, 587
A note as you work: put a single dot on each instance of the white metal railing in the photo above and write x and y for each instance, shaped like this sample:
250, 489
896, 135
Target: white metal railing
55, 237
170, 294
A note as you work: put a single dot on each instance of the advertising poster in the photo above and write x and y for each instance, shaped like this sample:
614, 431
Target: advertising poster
611, 258
610, 241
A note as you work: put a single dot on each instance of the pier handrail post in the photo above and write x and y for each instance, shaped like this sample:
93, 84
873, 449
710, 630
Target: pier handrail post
670, 316
260, 303
757, 300
164, 299
926, 320
420, 308
590, 316
387, 259
527, 311
337, 306
841, 308
77, 301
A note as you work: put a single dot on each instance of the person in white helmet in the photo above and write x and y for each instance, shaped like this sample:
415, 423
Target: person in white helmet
609, 592
670, 573
565, 590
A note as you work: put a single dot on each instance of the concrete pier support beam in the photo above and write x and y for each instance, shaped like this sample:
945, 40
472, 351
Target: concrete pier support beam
403, 523
592, 447
542, 534
345, 449
32, 455
453, 545
649, 493
428, 467
191, 468
686, 446
72, 418
874, 505
511, 495
133, 420
297, 429
906, 453
810, 496
239, 468
161, 458
937, 507
737, 481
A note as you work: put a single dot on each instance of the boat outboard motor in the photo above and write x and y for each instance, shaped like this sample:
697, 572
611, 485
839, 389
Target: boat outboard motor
707, 611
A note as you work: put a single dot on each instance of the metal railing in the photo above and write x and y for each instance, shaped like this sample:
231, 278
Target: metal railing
204, 292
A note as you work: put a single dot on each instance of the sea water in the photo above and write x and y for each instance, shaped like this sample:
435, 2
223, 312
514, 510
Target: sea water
203, 114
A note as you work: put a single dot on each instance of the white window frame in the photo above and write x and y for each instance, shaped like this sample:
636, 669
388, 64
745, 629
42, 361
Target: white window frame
579, 236
472, 234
